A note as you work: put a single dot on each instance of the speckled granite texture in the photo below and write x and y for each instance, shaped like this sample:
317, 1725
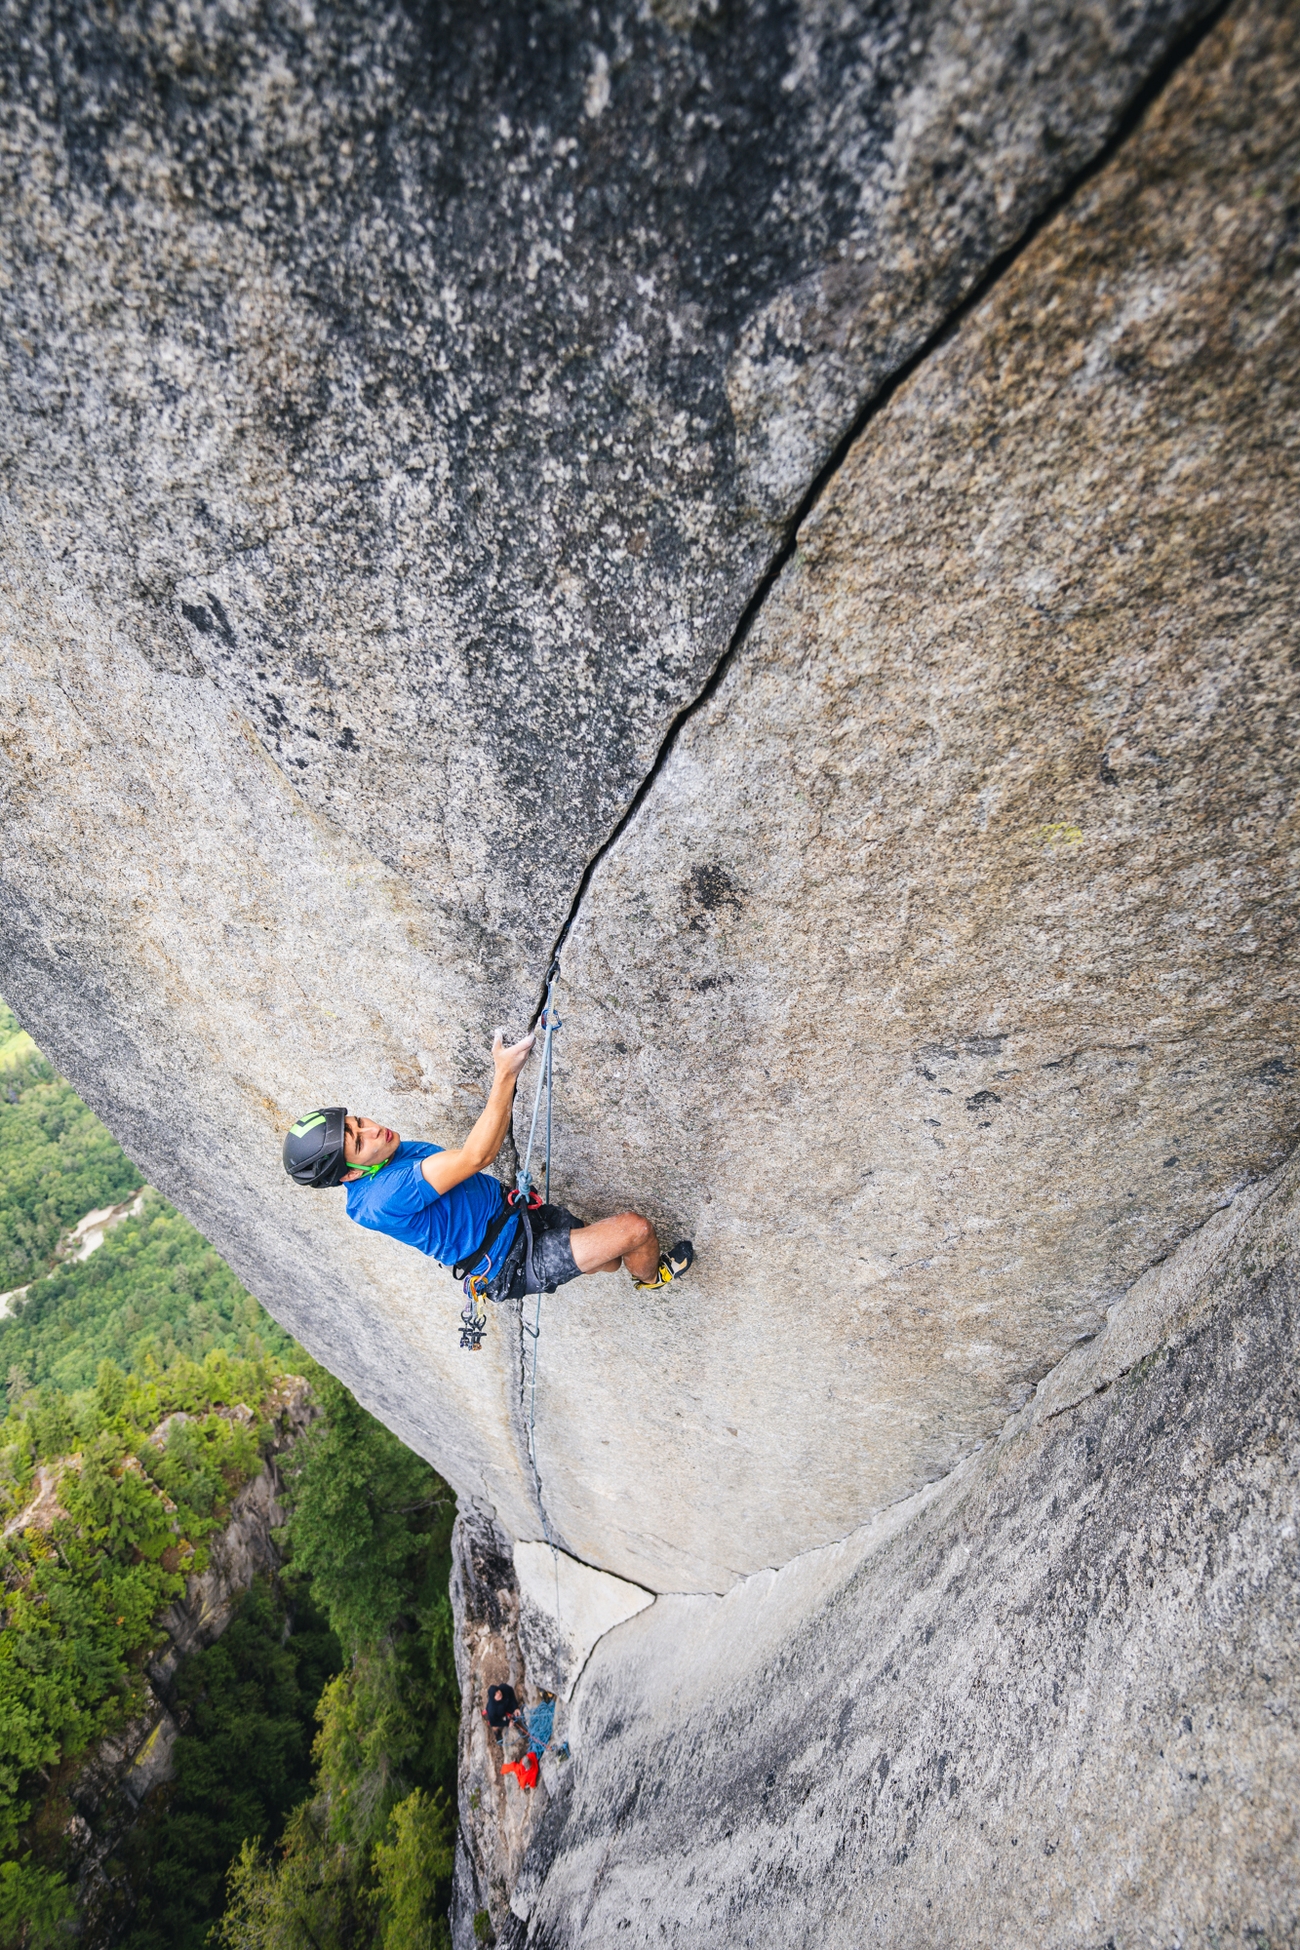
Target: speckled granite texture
438, 379
940, 983
1054, 1701
946, 976
402, 409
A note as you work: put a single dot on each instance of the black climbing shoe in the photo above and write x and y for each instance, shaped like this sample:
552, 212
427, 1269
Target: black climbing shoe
672, 1265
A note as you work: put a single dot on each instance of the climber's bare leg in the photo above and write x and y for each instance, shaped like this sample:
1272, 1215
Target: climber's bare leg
625, 1240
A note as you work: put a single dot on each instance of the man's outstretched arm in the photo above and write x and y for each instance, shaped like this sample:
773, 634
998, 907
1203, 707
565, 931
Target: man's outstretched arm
449, 1168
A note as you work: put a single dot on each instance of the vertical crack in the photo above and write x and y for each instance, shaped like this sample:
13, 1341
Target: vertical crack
1144, 97
520, 1335
527, 1399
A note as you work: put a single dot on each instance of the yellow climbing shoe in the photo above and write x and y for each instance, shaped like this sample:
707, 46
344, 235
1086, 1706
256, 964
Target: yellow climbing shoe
672, 1265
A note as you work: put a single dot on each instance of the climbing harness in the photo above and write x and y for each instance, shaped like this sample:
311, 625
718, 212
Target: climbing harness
485, 1245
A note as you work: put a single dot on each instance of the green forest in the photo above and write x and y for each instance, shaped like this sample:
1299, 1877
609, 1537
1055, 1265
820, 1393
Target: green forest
57, 1162
312, 1795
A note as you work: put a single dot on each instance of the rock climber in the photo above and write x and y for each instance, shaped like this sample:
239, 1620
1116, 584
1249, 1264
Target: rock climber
445, 1204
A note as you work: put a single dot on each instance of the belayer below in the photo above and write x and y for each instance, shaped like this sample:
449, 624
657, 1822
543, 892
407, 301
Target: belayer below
502, 1710
444, 1203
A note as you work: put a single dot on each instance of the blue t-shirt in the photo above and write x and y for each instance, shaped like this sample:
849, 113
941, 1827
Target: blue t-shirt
447, 1226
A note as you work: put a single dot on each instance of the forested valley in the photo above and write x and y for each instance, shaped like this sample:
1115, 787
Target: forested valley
309, 1800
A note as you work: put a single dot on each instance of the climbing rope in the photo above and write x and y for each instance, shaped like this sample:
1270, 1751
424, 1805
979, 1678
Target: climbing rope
550, 1022
474, 1314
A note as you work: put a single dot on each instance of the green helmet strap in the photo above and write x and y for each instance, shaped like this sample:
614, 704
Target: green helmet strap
368, 1171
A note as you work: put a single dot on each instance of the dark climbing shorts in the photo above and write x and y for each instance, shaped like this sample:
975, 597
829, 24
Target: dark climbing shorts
553, 1261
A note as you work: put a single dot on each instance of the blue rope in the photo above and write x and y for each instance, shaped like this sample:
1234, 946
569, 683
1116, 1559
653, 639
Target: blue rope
541, 1726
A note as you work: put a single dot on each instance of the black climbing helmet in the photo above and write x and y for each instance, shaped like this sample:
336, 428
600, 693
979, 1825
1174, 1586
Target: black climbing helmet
313, 1150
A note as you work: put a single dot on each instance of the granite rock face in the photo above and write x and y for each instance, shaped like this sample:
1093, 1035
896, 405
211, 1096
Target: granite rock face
243, 439
1053, 1700
438, 379
565, 1609
952, 950
403, 408
941, 981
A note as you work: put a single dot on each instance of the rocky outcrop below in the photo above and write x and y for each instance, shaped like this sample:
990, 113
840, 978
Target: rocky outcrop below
500, 1821
531, 1616
113, 1784
1053, 1700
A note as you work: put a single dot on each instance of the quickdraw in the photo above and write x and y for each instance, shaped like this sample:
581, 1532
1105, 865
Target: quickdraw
473, 1314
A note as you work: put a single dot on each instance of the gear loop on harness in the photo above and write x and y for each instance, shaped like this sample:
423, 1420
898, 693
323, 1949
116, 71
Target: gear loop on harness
474, 1314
